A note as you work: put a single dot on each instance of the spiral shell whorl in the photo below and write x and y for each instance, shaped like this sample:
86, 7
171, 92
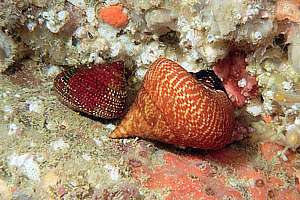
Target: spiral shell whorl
177, 109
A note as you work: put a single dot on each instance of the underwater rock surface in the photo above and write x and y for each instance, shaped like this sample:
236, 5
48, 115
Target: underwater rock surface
48, 151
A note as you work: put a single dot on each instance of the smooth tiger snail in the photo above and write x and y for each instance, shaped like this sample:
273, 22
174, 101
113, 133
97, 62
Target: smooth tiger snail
173, 107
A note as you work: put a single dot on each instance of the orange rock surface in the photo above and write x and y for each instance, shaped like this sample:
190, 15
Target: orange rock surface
288, 9
230, 172
114, 16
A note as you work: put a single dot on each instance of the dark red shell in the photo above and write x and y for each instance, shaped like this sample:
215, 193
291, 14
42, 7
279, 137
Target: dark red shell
98, 90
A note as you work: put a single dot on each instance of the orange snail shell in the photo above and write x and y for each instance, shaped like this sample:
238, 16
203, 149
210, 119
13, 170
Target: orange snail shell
175, 108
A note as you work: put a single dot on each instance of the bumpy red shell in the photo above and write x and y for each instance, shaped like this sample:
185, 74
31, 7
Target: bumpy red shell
173, 107
98, 90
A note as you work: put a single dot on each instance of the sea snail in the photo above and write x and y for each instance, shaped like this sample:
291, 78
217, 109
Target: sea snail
173, 107
98, 90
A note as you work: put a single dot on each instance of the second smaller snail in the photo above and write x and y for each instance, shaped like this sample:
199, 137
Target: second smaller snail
98, 90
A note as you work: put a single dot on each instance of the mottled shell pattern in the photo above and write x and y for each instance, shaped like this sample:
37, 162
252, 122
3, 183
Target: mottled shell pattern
98, 90
172, 106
